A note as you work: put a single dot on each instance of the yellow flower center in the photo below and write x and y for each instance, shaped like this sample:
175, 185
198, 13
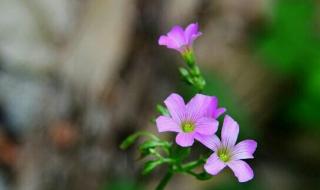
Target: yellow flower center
224, 155
187, 127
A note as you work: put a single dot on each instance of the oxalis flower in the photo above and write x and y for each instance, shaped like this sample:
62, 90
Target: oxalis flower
180, 39
228, 153
194, 120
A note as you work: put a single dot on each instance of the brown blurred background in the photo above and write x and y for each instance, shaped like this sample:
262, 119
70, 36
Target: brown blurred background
78, 76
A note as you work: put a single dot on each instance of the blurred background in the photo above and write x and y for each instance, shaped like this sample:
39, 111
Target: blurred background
78, 76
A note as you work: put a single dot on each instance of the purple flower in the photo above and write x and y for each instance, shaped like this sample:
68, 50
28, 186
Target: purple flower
228, 153
179, 39
194, 120
212, 108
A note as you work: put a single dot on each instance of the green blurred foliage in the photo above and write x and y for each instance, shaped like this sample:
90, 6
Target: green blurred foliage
289, 41
290, 46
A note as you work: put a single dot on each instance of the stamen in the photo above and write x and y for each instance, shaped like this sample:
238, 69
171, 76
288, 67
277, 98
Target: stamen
187, 127
224, 154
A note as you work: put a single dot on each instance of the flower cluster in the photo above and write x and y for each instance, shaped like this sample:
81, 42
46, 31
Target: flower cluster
197, 120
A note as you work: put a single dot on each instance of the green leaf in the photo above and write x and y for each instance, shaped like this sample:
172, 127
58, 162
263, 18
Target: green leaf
185, 75
184, 72
203, 176
129, 141
150, 166
132, 138
193, 164
195, 71
152, 144
162, 110
200, 176
144, 153
199, 83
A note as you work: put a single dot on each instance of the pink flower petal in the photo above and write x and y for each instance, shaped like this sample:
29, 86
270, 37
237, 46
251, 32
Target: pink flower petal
230, 131
177, 35
206, 126
210, 141
241, 170
213, 110
165, 123
194, 37
212, 106
176, 107
214, 165
190, 32
218, 112
164, 40
185, 139
198, 106
244, 150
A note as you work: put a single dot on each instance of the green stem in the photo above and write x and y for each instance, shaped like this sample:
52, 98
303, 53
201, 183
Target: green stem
164, 181
192, 173
192, 165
